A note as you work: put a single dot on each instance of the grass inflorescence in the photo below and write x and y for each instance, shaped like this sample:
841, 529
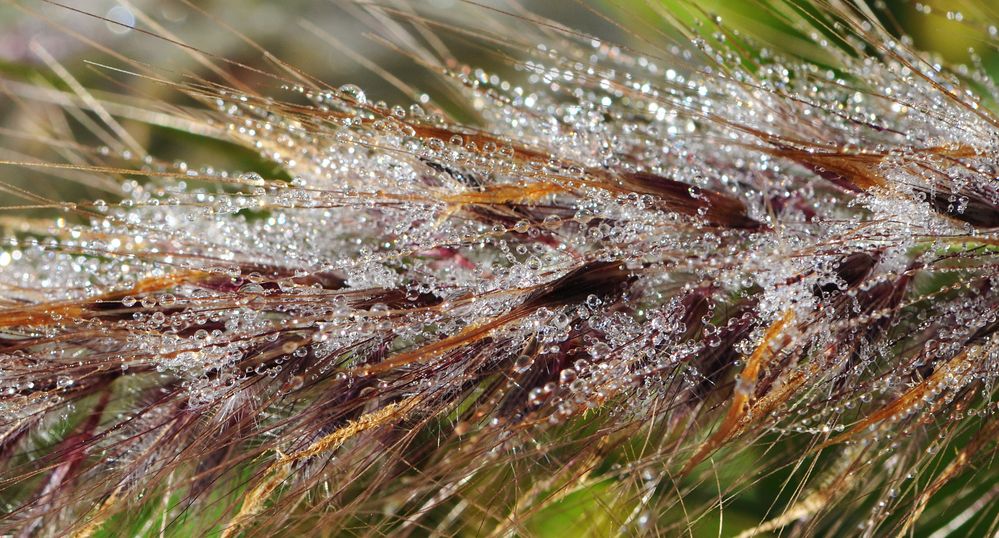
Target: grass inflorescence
709, 288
